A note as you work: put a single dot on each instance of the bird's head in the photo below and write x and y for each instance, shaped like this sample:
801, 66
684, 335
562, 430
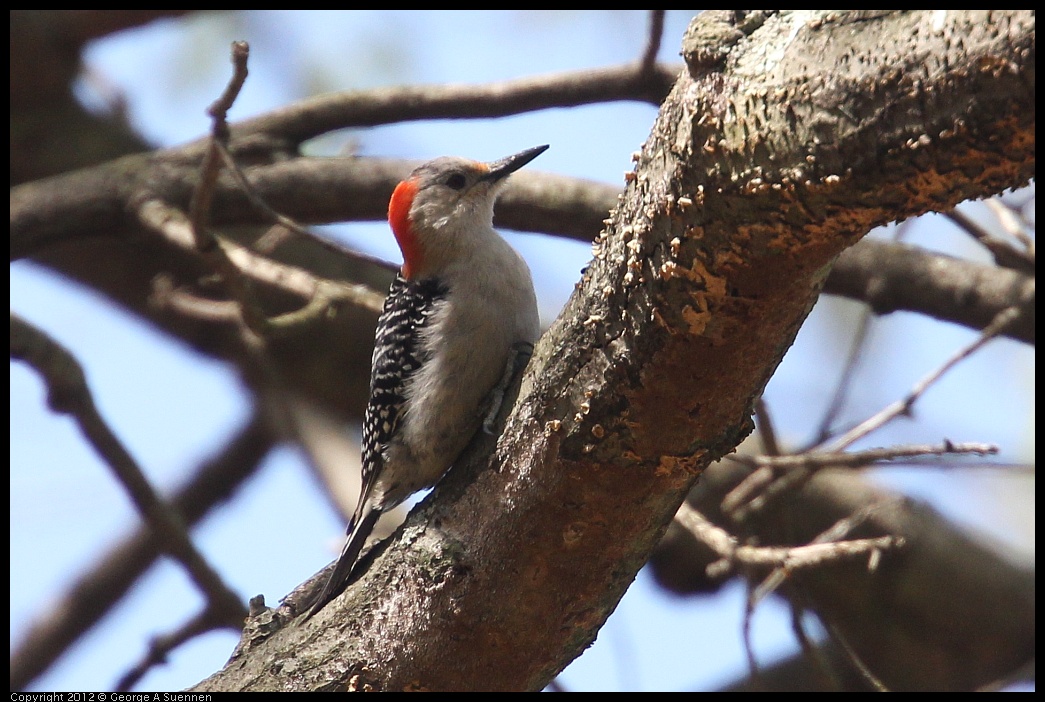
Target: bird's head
446, 200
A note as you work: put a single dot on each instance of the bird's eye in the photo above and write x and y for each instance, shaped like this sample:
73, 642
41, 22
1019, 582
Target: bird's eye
456, 181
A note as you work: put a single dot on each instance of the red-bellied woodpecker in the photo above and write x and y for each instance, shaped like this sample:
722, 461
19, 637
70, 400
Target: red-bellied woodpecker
459, 322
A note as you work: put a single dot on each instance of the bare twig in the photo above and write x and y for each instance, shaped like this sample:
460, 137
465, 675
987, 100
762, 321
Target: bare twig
231, 261
811, 651
733, 555
749, 646
832, 535
860, 459
203, 195
219, 109
653, 38
856, 349
1005, 254
93, 593
172, 224
1012, 222
313, 117
873, 680
159, 647
272, 239
766, 432
765, 481
845, 381
826, 548
792, 558
939, 558
68, 394
1002, 320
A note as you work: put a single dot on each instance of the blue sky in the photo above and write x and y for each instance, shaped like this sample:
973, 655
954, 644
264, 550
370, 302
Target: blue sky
173, 407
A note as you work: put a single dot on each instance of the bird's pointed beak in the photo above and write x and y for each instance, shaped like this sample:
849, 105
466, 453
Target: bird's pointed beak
510, 164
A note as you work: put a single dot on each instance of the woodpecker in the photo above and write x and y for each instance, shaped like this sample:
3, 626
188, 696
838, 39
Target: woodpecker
459, 323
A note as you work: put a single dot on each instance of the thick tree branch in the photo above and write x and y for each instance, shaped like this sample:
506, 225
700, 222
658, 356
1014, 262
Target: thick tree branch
891, 277
774, 153
105, 246
310, 190
310, 118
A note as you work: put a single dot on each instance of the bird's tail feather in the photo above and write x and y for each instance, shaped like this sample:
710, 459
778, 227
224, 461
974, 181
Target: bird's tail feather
346, 562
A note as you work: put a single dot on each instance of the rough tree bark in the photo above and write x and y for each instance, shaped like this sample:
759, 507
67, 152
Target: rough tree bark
789, 137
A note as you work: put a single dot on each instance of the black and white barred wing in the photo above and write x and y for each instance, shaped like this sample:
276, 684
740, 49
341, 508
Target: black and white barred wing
398, 354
